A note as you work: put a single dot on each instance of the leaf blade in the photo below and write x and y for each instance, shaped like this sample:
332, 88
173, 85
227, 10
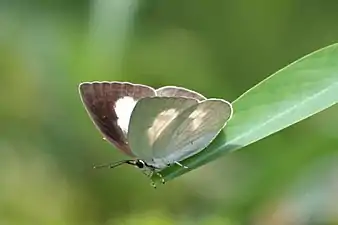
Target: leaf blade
301, 89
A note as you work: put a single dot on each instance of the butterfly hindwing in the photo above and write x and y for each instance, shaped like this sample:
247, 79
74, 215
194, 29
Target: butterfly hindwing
151, 116
110, 105
192, 130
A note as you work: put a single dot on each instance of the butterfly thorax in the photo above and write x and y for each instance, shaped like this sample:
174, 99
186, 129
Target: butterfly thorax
158, 164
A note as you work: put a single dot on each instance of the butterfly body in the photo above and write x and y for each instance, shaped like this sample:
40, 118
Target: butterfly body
156, 127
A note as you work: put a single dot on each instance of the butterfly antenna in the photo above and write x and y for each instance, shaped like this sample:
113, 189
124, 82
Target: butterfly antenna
116, 164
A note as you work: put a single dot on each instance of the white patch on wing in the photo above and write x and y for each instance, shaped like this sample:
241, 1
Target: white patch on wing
123, 108
161, 121
197, 117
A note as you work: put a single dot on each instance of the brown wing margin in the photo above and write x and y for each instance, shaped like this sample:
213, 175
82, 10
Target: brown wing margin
173, 91
99, 99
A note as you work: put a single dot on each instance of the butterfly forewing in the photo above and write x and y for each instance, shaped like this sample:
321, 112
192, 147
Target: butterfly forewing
151, 116
172, 91
110, 105
192, 130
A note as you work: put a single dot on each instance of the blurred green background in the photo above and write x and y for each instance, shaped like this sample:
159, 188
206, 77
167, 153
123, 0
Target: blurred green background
219, 48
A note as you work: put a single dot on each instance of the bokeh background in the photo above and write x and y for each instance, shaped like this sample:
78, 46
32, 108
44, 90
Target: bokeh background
220, 48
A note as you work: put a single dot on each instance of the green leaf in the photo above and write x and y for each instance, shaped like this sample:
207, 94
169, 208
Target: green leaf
292, 94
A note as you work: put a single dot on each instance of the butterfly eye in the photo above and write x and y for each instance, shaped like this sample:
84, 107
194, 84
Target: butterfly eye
140, 164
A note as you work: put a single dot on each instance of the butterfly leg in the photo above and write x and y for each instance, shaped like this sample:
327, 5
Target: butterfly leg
162, 178
181, 165
149, 174
153, 184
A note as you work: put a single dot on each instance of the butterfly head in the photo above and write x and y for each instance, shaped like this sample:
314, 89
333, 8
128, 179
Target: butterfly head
140, 163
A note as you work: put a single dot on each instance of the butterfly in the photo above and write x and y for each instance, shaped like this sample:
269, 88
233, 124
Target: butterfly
155, 127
